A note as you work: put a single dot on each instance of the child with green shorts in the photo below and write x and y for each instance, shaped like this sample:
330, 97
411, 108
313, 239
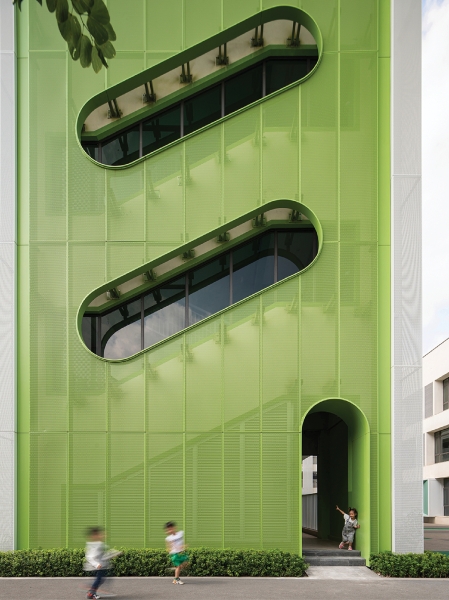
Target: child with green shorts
175, 545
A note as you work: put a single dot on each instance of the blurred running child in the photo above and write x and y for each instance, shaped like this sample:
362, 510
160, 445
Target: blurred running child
351, 524
98, 559
175, 545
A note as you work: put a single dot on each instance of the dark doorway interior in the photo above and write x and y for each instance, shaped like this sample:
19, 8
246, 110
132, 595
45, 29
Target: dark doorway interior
326, 436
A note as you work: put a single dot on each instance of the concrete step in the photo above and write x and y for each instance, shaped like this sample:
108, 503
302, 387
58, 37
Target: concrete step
328, 553
345, 559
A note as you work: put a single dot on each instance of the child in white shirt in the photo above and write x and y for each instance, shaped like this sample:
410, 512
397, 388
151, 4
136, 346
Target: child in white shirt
175, 545
98, 559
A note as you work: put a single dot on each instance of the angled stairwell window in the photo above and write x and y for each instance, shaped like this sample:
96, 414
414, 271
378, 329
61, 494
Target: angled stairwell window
229, 71
201, 109
199, 292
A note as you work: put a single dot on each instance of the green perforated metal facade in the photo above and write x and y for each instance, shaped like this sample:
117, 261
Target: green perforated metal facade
205, 428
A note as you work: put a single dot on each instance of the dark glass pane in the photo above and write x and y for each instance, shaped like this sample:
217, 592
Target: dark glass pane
161, 130
208, 289
89, 332
202, 109
121, 331
446, 394
312, 62
296, 250
253, 266
164, 311
92, 151
122, 149
443, 445
243, 89
282, 72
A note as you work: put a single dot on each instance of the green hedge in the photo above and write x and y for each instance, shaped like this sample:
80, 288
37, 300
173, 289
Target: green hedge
204, 562
429, 564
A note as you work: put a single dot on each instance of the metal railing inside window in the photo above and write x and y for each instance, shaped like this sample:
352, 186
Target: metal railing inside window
199, 293
442, 446
200, 110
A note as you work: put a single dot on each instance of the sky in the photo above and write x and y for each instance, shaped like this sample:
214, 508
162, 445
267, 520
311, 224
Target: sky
435, 164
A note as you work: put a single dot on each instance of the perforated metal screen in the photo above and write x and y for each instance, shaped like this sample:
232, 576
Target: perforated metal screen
204, 429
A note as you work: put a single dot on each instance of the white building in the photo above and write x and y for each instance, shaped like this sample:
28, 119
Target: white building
436, 434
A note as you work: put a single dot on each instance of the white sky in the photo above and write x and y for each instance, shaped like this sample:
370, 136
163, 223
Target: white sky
435, 162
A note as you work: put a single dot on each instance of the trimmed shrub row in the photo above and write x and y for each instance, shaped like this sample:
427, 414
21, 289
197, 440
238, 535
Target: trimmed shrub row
429, 564
204, 562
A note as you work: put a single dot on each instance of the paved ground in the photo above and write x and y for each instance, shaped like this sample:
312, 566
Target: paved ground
348, 573
231, 588
436, 538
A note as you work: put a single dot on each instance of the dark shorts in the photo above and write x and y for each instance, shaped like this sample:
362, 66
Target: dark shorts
178, 558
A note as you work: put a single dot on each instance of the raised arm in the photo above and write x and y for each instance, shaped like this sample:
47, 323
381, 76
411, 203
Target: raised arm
339, 510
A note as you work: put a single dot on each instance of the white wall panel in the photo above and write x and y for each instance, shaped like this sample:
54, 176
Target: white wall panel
407, 395
7, 275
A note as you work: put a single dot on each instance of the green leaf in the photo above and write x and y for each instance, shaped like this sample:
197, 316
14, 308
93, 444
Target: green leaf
51, 5
75, 29
74, 49
108, 50
64, 29
62, 11
102, 58
97, 31
100, 12
80, 6
111, 32
96, 61
85, 51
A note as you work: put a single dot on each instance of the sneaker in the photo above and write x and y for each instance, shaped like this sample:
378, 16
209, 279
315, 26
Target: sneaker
341, 546
350, 548
178, 581
93, 596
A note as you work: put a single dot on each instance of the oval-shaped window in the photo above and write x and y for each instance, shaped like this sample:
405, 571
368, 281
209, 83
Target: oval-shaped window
250, 257
199, 86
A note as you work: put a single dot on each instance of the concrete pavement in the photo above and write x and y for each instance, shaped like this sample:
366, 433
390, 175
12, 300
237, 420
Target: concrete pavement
221, 588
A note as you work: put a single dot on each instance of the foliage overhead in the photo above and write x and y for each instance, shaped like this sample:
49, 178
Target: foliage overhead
86, 27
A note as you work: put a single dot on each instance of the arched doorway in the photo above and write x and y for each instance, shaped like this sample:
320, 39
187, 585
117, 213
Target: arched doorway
337, 432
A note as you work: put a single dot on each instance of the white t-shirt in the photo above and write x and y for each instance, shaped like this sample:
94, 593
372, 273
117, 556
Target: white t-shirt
349, 521
175, 542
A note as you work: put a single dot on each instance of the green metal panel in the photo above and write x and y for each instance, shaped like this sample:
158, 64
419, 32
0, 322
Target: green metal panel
206, 427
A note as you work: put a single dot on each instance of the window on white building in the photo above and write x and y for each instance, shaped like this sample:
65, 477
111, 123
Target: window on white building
442, 446
446, 393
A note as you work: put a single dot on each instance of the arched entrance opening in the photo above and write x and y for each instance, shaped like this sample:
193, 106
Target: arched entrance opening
336, 432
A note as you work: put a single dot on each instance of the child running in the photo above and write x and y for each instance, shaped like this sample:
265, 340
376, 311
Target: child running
98, 559
175, 545
351, 524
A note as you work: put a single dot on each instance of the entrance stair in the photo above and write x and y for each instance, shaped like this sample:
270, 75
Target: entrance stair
333, 558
